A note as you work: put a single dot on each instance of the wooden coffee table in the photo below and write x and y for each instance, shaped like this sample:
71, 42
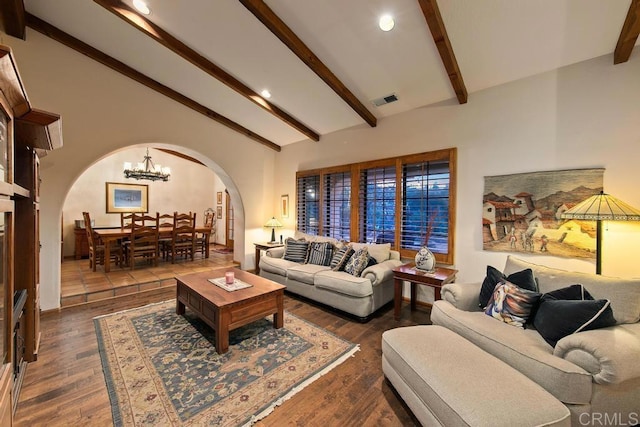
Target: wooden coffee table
224, 310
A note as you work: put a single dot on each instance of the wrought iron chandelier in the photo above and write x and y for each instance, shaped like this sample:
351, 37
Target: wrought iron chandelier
146, 170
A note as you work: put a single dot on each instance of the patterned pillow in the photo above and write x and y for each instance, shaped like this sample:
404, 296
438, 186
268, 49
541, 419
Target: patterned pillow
358, 262
511, 304
341, 257
295, 250
523, 279
319, 253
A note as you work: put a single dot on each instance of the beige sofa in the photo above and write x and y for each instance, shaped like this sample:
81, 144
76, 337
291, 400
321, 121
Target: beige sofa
595, 373
358, 296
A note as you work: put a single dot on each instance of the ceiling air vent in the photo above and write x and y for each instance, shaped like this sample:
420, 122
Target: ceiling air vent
385, 100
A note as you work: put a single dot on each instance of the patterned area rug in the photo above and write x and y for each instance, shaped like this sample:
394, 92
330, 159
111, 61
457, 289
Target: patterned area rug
162, 369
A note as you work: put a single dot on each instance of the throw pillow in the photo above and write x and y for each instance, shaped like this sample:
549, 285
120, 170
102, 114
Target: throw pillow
319, 253
358, 262
340, 259
523, 279
511, 304
380, 251
570, 310
295, 250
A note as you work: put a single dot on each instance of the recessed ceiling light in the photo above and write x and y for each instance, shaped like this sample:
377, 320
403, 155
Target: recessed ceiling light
386, 22
142, 7
265, 94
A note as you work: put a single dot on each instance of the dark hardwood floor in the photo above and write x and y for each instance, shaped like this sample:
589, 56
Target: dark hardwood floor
66, 386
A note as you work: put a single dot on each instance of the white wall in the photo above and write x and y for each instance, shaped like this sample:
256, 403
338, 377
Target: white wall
582, 116
89, 191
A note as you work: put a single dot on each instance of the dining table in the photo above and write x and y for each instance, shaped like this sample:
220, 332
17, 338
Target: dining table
110, 235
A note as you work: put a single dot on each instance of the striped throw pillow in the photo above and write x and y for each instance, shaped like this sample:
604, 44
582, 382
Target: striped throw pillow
319, 253
295, 250
341, 257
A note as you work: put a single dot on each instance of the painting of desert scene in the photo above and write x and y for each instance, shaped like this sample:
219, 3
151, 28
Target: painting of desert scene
523, 213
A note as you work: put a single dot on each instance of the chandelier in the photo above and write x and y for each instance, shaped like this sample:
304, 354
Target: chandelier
146, 170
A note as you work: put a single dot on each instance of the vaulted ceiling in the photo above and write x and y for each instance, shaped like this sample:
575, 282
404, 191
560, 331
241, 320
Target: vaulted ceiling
325, 62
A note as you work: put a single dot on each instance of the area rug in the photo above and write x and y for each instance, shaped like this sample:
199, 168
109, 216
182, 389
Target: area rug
162, 368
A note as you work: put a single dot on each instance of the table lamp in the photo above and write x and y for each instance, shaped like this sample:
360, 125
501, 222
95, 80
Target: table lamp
601, 207
273, 223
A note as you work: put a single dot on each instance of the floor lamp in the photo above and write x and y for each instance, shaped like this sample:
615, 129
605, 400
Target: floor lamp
602, 207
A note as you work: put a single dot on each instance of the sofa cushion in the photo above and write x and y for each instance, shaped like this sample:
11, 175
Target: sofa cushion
524, 349
511, 304
298, 235
570, 310
276, 265
624, 294
304, 273
523, 279
319, 253
358, 262
380, 252
344, 283
295, 250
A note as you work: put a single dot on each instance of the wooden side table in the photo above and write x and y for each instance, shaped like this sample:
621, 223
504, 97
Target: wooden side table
409, 272
264, 246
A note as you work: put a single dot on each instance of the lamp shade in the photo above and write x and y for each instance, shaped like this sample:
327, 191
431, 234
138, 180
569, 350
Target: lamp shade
273, 223
602, 207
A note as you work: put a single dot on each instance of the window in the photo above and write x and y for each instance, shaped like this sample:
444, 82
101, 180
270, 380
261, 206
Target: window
377, 205
308, 204
425, 206
336, 221
404, 201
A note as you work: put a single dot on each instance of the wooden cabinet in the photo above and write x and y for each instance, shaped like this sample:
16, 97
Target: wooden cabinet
24, 133
81, 248
27, 265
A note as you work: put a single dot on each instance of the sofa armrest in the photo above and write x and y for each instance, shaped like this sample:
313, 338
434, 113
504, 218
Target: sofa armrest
275, 252
463, 296
381, 272
609, 354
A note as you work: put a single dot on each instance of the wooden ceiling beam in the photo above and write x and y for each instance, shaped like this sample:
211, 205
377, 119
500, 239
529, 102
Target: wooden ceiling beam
182, 156
157, 33
434, 20
12, 12
101, 57
270, 20
629, 34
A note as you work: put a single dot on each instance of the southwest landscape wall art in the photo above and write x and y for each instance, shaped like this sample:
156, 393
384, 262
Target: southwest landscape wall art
522, 212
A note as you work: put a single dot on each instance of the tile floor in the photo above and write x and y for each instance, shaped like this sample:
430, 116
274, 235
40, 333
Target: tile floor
81, 285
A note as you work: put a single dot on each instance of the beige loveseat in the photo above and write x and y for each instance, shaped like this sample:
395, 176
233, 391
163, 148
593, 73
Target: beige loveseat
595, 373
360, 296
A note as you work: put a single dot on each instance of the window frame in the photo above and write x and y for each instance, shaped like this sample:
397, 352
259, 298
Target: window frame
356, 169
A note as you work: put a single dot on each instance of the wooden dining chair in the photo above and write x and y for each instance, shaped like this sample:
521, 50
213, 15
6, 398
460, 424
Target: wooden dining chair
202, 238
96, 250
183, 242
143, 241
164, 243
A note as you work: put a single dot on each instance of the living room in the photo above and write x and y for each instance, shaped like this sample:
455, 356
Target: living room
573, 115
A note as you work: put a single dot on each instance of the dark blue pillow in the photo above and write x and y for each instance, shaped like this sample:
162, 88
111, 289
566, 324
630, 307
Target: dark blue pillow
570, 310
523, 279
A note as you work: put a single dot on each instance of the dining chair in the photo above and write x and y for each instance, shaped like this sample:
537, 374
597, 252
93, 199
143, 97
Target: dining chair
183, 240
96, 250
201, 238
164, 243
143, 241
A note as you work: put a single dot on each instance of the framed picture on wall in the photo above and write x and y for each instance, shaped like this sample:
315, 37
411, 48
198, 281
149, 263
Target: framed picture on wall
219, 212
219, 198
284, 206
127, 197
